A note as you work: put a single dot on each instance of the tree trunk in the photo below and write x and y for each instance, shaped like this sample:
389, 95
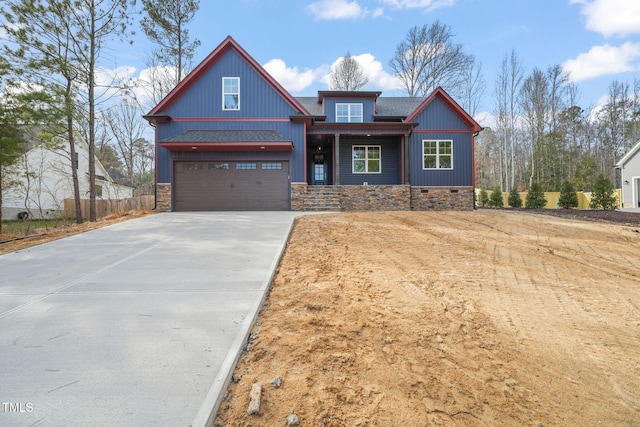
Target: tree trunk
92, 132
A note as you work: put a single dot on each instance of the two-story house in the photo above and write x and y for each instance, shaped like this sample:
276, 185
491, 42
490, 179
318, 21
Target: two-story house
229, 137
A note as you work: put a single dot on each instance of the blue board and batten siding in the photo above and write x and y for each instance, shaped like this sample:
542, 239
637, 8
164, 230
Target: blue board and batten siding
258, 101
390, 164
439, 122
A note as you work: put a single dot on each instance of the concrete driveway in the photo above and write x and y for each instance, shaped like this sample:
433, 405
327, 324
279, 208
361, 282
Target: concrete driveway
135, 324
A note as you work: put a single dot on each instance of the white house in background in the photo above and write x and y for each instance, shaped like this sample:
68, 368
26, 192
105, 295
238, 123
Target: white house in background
629, 167
42, 179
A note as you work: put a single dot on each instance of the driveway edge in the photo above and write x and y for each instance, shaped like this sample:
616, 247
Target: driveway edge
209, 409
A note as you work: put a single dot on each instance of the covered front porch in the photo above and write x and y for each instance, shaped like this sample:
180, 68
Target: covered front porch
355, 159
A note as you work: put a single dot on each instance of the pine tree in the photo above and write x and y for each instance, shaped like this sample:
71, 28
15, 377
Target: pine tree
515, 201
602, 196
568, 196
535, 197
495, 200
483, 199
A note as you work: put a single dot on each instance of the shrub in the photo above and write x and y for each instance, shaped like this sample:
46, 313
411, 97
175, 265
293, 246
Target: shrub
602, 196
535, 197
568, 196
483, 199
495, 200
514, 200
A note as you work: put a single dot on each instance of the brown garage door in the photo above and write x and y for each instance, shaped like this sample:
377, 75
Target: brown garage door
231, 186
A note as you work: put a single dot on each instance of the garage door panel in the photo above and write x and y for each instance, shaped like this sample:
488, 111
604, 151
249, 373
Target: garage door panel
247, 185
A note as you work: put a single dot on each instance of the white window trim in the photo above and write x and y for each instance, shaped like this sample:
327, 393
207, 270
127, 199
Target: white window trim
224, 107
437, 154
349, 116
366, 159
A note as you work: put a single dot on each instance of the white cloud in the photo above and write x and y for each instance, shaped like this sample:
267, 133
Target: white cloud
341, 9
604, 60
611, 17
379, 79
428, 5
293, 79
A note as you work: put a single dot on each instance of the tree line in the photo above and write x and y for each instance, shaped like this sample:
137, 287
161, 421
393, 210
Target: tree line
52, 53
542, 135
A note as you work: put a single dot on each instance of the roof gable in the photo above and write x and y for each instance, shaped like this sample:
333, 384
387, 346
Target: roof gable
630, 155
452, 105
219, 52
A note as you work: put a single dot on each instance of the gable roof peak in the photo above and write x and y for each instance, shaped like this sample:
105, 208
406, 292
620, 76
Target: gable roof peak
441, 94
227, 44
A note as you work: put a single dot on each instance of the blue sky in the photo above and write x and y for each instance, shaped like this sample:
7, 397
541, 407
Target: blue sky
297, 41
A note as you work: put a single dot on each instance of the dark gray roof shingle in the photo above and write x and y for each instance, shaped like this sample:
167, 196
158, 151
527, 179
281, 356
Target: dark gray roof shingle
228, 136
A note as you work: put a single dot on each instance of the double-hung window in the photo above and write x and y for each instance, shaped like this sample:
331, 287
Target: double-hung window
437, 154
366, 159
231, 93
348, 113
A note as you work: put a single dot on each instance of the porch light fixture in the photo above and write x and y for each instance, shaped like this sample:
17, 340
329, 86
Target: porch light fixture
194, 148
626, 181
262, 147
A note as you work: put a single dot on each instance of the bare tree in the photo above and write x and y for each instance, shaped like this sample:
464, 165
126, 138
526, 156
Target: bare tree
127, 130
507, 111
165, 24
348, 75
91, 23
611, 125
429, 58
472, 89
534, 99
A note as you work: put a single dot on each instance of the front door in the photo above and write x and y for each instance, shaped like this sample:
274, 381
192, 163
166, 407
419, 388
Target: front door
319, 170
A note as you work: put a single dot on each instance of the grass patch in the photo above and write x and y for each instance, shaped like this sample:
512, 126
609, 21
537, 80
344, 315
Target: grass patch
29, 225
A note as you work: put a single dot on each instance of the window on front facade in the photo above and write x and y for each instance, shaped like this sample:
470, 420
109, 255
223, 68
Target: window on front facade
366, 159
349, 113
437, 154
231, 93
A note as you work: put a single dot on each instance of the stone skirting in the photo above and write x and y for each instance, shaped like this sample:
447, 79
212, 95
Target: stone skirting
379, 197
375, 197
163, 197
441, 198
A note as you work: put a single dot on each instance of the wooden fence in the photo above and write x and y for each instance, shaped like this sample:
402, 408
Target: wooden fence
108, 207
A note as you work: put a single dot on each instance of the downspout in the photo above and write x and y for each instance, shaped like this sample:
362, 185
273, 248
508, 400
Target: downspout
473, 163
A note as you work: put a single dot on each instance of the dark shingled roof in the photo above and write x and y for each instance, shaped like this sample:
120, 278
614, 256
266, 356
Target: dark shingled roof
397, 106
228, 136
385, 106
311, 104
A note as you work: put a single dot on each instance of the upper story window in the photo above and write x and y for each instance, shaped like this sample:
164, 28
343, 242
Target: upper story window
437, 154
348, 113
231, 93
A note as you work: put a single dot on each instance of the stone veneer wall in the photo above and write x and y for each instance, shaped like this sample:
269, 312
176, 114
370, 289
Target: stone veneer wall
163, 197
441, 198
385, 197
298, 195
375, 197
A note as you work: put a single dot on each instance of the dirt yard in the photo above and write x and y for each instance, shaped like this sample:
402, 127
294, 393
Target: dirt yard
11, 242
448, 318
